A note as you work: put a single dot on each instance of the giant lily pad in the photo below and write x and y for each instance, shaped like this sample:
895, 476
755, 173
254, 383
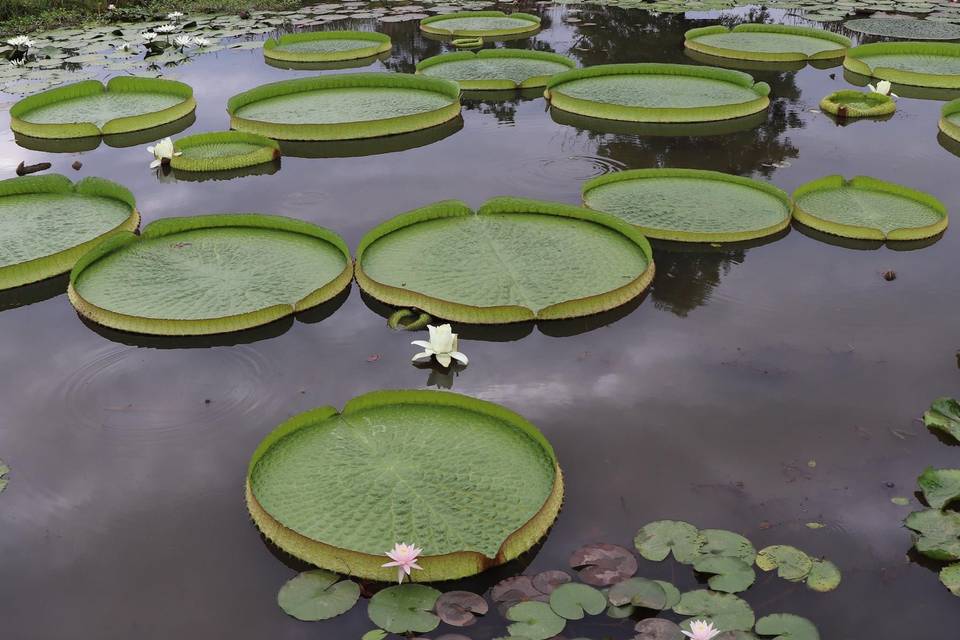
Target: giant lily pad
940, 486
786, 626
919, 64
496, 69
654, 92
486, 24
326, 46
90, 108
223, 151
318, 595
690, 205
345, 106
865, 208
404, 608
534, 621
849, 103
603, 564
905, 28
209, 274
656, 540
48, 223
950, 119
791, 563
725, 610
937, 533
950, 577
944, 415
767, 42
513, 260
480, 485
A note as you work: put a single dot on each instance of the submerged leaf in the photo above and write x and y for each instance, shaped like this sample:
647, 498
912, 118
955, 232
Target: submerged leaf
791, 563
573, 601
602, 565
725, 610
461, 608
731, 575
656, 540
944, 414
404, 608
940, 486
786, 626
317, 595
534, 620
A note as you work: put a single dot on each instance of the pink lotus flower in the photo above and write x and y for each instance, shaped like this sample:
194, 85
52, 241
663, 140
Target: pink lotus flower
701, 630
404, 557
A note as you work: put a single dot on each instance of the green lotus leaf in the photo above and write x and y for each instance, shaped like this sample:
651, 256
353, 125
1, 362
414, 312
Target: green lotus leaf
404, 608
937, 533
848, 103
919, 64
940, 486
658, 629
786, 626
374, 634
223, 151
480, 484
690, 205
673, 594
326, 46
49, 223
639, 592
534, 620
513, 260
496, 69
4, 470
904, 28
767, 42
725, 610
944, 415
346, 106
724, 544
865, 208
90, 108
824, 576
209, 274
487, 24
656, 540
318, 595
655, 92
791, 563
950, 577
572, 601
731, 575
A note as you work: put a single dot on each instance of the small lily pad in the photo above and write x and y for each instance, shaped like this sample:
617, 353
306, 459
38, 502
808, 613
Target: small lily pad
656, 540
404, 608
572, 601
374, 634
602, 565
937, 533
546, 581
318, 595
461, 608
824, 576
517, 589
534, 621
731, 575
791, 563
900, 501
725, 610
639, 592
725, 544
940, 486
673, 594
786, 626
950, 577
944, 414
658, 629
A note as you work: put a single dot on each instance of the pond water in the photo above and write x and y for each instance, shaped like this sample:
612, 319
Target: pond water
755, 388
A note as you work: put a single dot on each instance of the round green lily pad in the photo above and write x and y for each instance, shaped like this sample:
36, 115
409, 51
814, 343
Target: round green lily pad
209, 274
90, 108
690, 205
326, 46
49, 223
730, 575
640, 592
950, 119
404, 608
486, 24
725, 610
223, 151
656, 540
786, 626
791, 563
654, 92
471, 483
849, 103
534, 621
944, 416
573, 601
720, 543
824, 576
937, 533
318, 595
940, 486
921, 64
345, 106
905, 28
865, 208
511, 261
767, 42
949, 576
496, 69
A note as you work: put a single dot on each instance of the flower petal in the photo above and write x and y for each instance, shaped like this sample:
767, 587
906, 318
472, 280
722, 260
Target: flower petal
423, 344
459, 357
443, 359
423, 355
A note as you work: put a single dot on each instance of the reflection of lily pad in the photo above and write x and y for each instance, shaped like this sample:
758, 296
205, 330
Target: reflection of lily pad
496, 69
655, 92
49, 223
209, 274
767, 42
482, 485
318, 595
950, 577
657, 629
534, 621
639, 592
513, 260
480, 23
461, 608
791, 563
730, 575
603, 564
937, 533
725, 610
849, 103
922, 64
404, 608
326, 46
223, 151
573, 601
89, 108
940, 486
786, 626
868, 209
944, 415
656, 540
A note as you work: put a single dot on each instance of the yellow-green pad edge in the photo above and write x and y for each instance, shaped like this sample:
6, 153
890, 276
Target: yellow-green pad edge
434, 24
854, 61
498, 85
379, 43
948, 127
268, 152
842, 42
881, 105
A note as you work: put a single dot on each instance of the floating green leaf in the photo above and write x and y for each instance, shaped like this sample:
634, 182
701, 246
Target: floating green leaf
374, 634
404, 608
317, 595
639, 592
487, 24
940, 486
950, 577
937, 533
731, 575
534, 620
656, 540
572, 601
791, 563
725, 610
658, 629
920, 64
673, 594
849, 103
720, 543
824, 576
767, 42
223, 151
944, 415
326, 46
496, 69
786, 626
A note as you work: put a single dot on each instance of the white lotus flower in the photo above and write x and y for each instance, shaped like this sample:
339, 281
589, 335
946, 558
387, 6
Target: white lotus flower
183, 41
174, 16
701, 630
442, 346
148, 36
22, 43
201, 41
166, 28
162, 152
883, 88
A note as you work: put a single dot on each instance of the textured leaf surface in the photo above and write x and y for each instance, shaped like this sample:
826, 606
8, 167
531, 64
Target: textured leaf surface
534, 620
905, 28
220, 149
482, 23
940, 486
461, 608
100, 109
329, 45
768, 42
950, 577
720, 543
915, 62
725, 610
514, 69
404, 608
573, 601
731, 575
657, 91
944, 415
448, 478
824, 576
210, 273
786, 626
317, 595
791, 563
603, 564
639, 592
333, 106
656, 540
938, 533
658, 629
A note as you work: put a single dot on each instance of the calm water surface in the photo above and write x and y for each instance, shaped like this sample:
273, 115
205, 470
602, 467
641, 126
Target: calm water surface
755, 388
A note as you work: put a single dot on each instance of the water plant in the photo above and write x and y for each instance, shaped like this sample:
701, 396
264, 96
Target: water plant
443, 345
404, 556
326, 46
496, 69
921, 64
220, 151
163, 152
767, 42
485, 24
